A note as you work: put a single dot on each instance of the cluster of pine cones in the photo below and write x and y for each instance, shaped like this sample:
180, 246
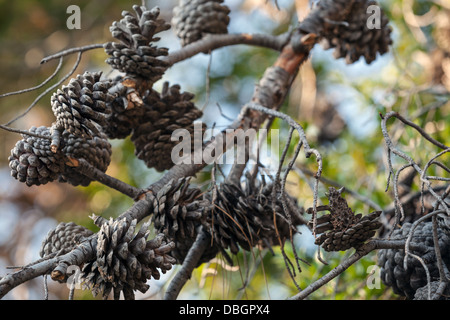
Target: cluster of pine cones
90, 110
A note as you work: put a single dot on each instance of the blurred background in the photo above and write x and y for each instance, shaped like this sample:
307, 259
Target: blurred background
337, 104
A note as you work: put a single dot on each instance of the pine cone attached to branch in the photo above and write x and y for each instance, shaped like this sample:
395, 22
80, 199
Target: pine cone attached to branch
63, 238
169, 111
244, 217
403, 281
126, 260
32, 160
135, 54
178, 211
81, 107
194, 18
342, 229
350, 28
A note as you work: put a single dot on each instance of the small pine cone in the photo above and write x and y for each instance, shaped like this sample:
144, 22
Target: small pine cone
406, 282
152, 138
96, 151
177, 212
126, 260
342, 229
243, 217
343, 25
81, 106
63, 238
422, 293
193, 18
32, 160
134, 54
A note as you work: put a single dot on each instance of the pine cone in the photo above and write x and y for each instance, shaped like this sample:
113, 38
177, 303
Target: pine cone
135, 55
422, 292
125, 114
125, 260
81, 106
342, 229
32, 160
243, 217
343, 25
171, 111
406, 282
96, 151
178, 210
193, 18
63, 238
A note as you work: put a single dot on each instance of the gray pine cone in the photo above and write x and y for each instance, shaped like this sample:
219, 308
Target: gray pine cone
170, 111
135, 54
422, 292
193, 18
341, 229
81, 106
243, 217
178, 210
406, 282
32, 160
126, 260
63, 238
343, 25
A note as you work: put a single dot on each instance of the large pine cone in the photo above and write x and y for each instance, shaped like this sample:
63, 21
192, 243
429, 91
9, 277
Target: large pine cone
244, 217
126, 260
134, 54
343, 25
406, 282
193, 18
63, 238
32, 160
81, 107
165, 113
342, 229
178, 211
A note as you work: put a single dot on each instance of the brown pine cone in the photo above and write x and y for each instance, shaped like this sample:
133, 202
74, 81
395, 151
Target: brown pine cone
126, 260
81, 107
244, 217
193, 18
135, 54
170, 111
178, 211
343, 25
342, 229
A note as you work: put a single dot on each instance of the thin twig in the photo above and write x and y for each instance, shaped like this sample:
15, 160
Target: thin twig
70, 51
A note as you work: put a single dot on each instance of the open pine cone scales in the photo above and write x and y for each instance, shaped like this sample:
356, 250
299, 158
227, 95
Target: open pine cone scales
244, 217
178, 211
81, 106
126, 259
166, 112
342, 229
135, 54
